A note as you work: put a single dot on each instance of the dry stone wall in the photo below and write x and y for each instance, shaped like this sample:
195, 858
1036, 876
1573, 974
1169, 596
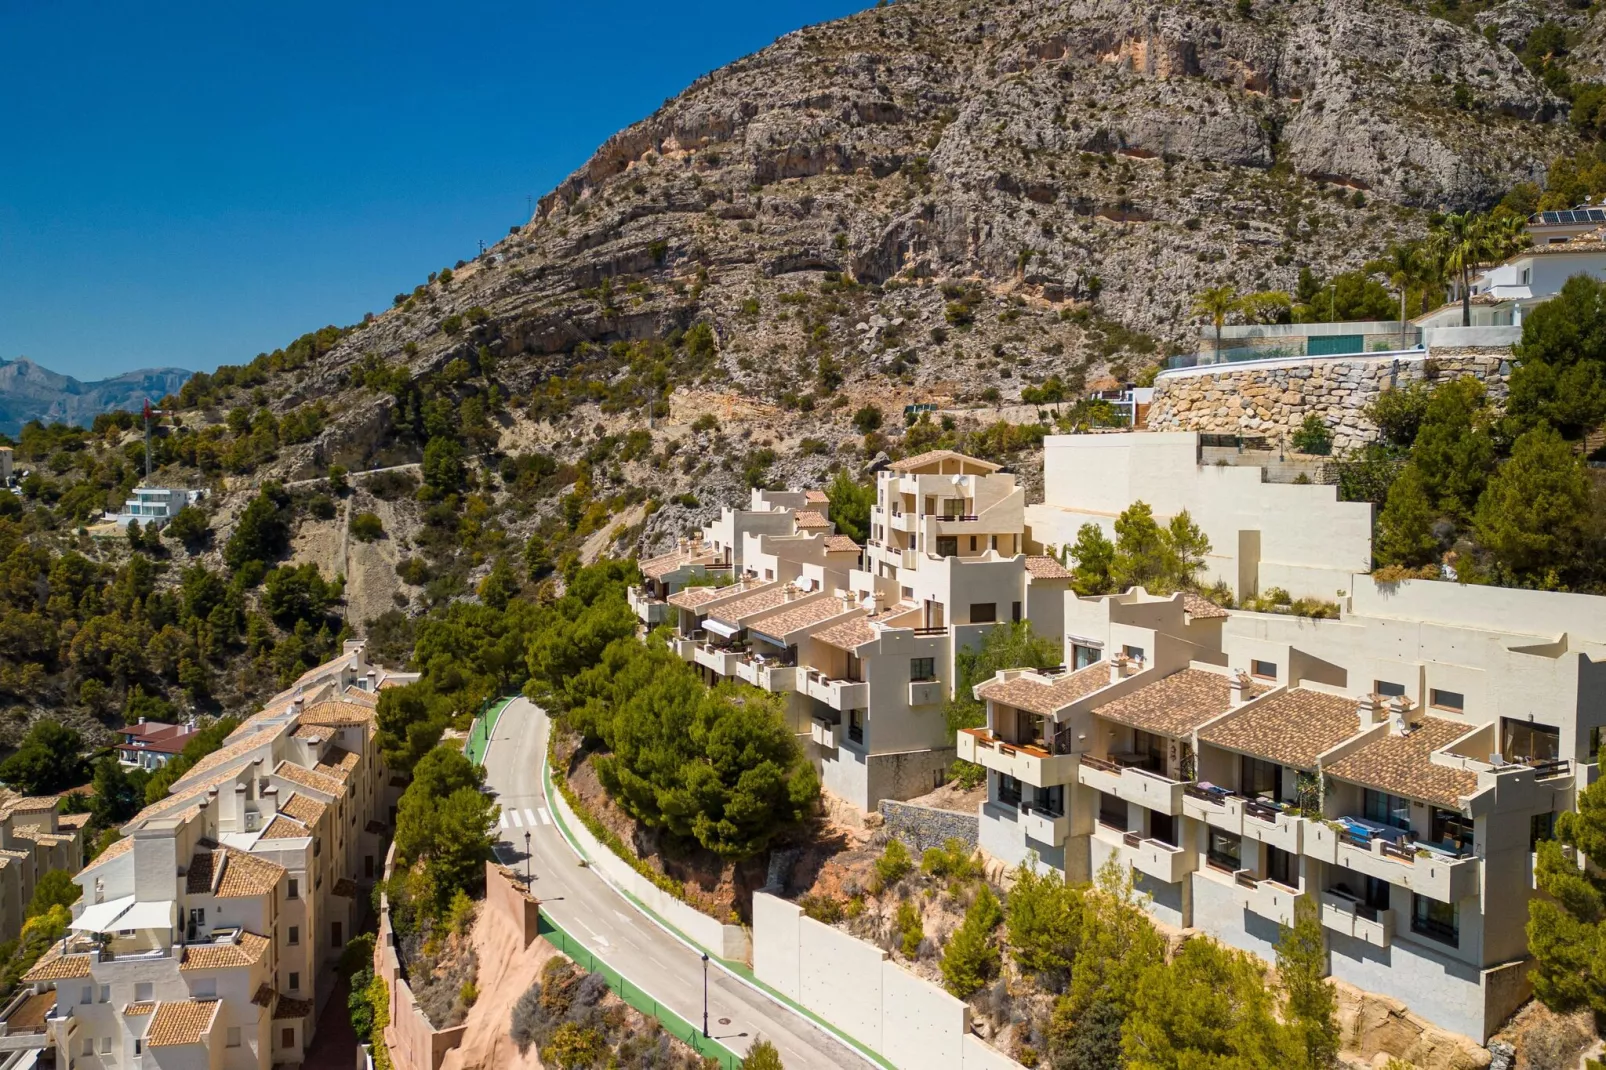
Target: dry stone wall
1272, 399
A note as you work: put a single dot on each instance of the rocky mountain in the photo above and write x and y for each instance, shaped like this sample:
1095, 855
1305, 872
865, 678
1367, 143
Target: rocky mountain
29, 392
941, 200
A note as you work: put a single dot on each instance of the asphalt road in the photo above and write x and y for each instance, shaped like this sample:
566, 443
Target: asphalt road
611, 926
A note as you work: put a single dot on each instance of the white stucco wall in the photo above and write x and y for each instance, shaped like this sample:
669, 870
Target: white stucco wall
1437, 987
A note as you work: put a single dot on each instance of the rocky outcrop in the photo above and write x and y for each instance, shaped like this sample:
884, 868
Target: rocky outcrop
1272, 399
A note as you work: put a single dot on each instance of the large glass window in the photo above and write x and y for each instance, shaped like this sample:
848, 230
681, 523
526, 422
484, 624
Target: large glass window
1281, 866
1258, 777
921, 669
1226, 850
1527, 741
1049, 800
1388, 809
1150, 749
1112, 811
983, 612
1008, 790
947, 546
1450, 829
1162, 827
1436, 920
1083, 656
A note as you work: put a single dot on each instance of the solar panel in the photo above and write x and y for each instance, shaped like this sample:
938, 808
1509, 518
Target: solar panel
1597, 215
1568, 217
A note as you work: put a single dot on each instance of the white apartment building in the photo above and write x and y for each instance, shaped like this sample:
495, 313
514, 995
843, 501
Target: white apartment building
209, 934
1502, 295
34, 839
862, 641
1298, 537
154, 506
6, 462
1395, 767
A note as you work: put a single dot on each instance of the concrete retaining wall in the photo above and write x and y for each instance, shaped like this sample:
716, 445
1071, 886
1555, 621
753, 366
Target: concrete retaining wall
853, 985
727, 941
505, 896
1272, 398
923, 827
414, 1044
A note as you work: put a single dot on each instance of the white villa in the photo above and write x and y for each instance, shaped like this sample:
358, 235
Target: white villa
153, 506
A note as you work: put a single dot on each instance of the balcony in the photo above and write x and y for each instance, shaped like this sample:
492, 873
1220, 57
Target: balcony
766, 675
908, 559
1154, 858
1434, 873
649, 610
925, 692
1346, 914
1045, 826
721, 661
1026, 763
823, 733
903, 522
1215, 806
1131, 784
1273, 825
1265, 897
685, 649
840, 695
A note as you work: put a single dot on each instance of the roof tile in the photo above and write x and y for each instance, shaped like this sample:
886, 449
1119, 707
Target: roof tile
1290, 728
920, 460
1030, 694
184, 1022
1400, 765
1174, 705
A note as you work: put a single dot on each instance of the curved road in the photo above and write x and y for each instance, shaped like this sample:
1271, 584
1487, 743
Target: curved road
611, 926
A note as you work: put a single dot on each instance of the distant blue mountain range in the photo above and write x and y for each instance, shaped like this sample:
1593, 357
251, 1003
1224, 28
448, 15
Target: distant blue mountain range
29, 392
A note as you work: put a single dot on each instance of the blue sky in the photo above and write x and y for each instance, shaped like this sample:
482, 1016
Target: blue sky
190, 184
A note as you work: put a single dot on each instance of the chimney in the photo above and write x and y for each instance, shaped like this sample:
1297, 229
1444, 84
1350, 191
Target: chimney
1367, 708
142, 720
1120, 668
270, 803
1240, 688
790, 590
1403, 716
235, 806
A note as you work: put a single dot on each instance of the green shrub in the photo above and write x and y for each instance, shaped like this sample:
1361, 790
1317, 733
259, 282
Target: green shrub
367, 527
910, 930
893, 865
1313, 436
952, 860
971, 958
824, 909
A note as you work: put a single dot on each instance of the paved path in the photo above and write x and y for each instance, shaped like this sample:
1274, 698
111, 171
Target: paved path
335, 1046
354, 474
611, 926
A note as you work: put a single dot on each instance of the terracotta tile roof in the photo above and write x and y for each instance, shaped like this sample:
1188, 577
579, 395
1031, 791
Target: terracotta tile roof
283, 828
849, 635
336, 712
54, 966
920, 460
790, 620
1399, 765
73, 821
304, 808
230, 874
289, 1008
356, 696
757, 602
658, 567
1197, 606
841, 544
264, 995
116, 850
32, 804
186, 1022
135, 1010
249, 950
1046, 568
338, 763
693, 597
1174, 705
1291, 728
331, 666
1025, 693
345, 888
310, 731
308, 778
223, 755
808, 518
816, 496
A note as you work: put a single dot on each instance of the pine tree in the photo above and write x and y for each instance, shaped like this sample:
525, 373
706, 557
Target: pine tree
1311, 1006
971, 958
1187, 546
1535, 512
1405, 526
1567, 931
1093, 554
1140, 549
1044, 920
762, 1056
1209, 1007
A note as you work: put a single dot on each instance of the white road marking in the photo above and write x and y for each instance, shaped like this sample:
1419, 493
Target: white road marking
546, 818
504, 819
514, 814
529, 816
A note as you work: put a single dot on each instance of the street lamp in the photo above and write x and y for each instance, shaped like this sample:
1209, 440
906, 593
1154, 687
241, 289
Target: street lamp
705, 995
527, 878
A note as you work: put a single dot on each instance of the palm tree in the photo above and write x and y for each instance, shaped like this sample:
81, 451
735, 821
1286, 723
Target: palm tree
1463, 240
1217, 303
1403, 265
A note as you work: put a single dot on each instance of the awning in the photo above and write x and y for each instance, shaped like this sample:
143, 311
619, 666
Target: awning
98, 917
720, 628
160, 914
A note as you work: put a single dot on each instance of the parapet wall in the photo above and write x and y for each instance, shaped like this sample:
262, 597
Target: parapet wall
1272, 398
414, 1044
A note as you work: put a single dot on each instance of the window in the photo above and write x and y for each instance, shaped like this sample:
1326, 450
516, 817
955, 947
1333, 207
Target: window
1526, 741
1162, 827
295, 981
973, 544
1376, 893
234, 1036
88, 994
1014, 612
769, 574
1541, 827
1151, 750
1133, 652
921, 669
1282, 867
856, 726
1050, 800
335, 934
1436, 920
947, 545
105, 1045
295, 935
1266, 670
89, 1045
1226, 849
1008, 790
1112, 811
1083, 656
139, 1047
983, 612
287, 1038
1450, 829
1441, 699
105, 993
1388, 690
1388, 809
295, 889
1257, 778
144, 991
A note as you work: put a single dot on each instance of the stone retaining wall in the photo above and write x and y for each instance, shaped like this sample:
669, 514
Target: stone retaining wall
1271, 399
922, 827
